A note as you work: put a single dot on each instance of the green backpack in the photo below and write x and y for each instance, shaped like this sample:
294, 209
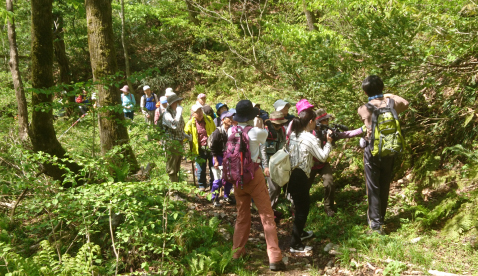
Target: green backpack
387, 138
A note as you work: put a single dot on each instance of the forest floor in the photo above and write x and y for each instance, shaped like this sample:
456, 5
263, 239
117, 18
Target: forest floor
317, 262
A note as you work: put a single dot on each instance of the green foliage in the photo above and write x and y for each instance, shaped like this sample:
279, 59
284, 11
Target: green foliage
394, 268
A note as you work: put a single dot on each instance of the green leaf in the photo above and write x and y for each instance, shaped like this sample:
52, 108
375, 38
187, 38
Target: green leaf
468, 119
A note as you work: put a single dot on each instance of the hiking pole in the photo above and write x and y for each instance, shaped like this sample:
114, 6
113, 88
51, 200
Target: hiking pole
79, 119
192, 164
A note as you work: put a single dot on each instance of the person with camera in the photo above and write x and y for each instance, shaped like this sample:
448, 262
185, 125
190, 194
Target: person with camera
303, 147
323, 168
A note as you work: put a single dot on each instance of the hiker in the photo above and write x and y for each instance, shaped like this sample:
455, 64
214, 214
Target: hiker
208, 111
255, 189
220, 108
173, 124
378, 167
148, 104
218, 145
200, 126
160, 108
84, 101
323, 168
201, 100
128, 102
283, 106
262, 113
275, 141
303, 146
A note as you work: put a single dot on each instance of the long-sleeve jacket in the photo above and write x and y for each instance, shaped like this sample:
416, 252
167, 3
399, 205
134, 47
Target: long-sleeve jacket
218, 141
173, 123
191, 129
128, 102
304, 148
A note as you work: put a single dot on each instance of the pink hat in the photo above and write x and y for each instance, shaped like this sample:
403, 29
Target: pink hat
202, 95
125, 88
303, 105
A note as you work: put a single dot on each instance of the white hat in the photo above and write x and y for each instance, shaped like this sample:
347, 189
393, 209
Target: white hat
163, 99
146, 87
280, 104
169, 92
195, 107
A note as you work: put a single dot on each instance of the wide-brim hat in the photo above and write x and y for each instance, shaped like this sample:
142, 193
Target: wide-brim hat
322, 114
125, 88
219, 105
277, 118
169, 92
280, 104
173, 98
303, 105
245, 111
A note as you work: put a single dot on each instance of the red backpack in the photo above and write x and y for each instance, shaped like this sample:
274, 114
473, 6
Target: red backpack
237, 166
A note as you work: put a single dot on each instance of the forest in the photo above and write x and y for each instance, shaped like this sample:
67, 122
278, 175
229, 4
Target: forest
89, 195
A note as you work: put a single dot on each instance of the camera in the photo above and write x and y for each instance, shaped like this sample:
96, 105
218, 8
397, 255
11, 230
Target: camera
335, 128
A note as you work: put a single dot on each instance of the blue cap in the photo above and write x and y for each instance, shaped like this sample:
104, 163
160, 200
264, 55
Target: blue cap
219, 105
163, 99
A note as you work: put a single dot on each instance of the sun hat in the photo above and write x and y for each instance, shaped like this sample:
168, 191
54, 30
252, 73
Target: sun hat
173, 98
303, 105
146, 87
169, 92
195, 107
163, 99
219, 105
226, 114
256, 104
322, 114
280, 104
202, 95
277, 118
245, 111
125, 88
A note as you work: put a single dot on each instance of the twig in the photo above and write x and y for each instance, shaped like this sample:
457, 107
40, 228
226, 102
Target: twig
113, 241
165, 224
22, 195
54, 236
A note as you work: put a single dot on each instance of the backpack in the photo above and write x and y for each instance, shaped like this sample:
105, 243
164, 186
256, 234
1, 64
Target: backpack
387, 138
237, 165
279, 167
150, 103
79, 99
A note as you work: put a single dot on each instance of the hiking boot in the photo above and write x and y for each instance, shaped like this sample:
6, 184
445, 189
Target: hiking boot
280, 266
379, 231
230, 200
300, 249
216, 204
306, 235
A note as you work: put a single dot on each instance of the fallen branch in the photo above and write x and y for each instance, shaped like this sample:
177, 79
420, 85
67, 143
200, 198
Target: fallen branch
22, 195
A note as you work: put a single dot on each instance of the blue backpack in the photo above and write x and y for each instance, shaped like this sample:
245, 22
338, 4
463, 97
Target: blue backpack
150, 102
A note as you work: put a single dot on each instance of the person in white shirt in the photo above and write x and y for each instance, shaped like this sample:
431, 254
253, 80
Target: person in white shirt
303, 147
256, 189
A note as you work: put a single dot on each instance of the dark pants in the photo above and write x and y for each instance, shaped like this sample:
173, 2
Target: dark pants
378, 175
299, 190
329, 187
129, 115
201, 168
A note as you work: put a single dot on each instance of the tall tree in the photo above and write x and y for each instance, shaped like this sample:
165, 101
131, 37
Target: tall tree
42, 132
16, 76
311, 20
103, 63
61, 57
193, 13
125, 46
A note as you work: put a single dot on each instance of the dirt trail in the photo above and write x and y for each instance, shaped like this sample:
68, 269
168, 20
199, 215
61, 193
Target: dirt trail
297, 264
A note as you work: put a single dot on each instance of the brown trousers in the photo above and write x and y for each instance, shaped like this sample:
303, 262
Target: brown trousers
257, 190
173, 160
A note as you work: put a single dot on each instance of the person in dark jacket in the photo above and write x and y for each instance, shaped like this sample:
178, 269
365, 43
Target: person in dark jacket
218, 145
220, 108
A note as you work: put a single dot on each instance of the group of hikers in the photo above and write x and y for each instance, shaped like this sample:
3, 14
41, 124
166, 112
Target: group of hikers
240, 146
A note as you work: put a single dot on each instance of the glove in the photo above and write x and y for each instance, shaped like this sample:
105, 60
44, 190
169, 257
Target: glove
93, 96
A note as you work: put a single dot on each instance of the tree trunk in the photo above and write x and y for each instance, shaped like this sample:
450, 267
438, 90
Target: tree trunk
103, 63
192, 13
17, 78
311, 21
42, 132
125, 48
62, 58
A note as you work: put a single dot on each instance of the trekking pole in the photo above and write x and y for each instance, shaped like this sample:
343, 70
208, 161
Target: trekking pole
192, 164
79, 119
